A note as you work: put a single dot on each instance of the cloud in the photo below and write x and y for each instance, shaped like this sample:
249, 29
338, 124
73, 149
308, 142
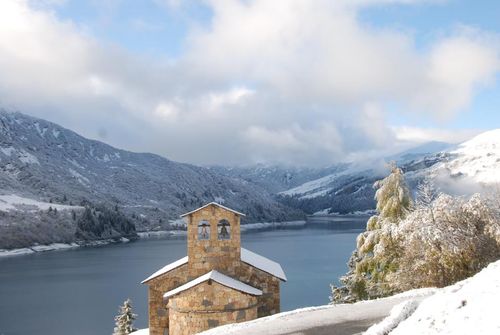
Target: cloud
421, 135
308, 86
294, 144
457, 67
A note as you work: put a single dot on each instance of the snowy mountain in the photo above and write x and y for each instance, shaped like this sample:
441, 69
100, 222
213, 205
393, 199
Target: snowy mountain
341, 188
275, 178
477, 159
346, 188
45, 163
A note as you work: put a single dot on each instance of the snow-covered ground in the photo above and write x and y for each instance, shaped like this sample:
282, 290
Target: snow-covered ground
57, 247
317, 185
321, 318
467, 307
10, 202
37, 248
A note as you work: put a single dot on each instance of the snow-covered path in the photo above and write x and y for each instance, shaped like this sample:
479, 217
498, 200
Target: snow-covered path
329, 319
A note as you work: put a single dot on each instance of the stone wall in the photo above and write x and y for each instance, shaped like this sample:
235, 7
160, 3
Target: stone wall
204, 256
225, 257
209, 305
213, 254
269, 301
158, 313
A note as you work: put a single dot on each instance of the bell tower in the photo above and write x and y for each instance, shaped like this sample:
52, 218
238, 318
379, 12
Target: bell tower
213, 239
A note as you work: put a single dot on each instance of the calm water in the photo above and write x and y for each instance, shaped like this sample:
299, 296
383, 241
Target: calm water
77, 292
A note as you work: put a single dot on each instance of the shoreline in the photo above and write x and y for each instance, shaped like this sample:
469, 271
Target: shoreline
58, 247
145, 235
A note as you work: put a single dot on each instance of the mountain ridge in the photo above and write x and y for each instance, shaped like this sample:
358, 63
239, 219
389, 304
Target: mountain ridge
43, 161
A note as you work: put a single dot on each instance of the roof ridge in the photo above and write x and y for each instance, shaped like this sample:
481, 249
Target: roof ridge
219, 278
212, 203
263, 263
167, 268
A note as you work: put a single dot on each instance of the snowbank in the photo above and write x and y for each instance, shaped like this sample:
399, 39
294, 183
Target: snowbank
144, 331
358, 317
398, 314
467, 307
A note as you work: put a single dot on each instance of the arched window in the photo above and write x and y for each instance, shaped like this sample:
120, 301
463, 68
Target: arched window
203, 230
224, 230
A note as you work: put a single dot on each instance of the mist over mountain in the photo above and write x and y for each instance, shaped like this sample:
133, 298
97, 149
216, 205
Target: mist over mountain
45, 168
472, 166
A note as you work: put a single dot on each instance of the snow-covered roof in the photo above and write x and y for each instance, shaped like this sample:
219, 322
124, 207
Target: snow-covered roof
215, 204
255, 260
167, 268
218, 277
262, 263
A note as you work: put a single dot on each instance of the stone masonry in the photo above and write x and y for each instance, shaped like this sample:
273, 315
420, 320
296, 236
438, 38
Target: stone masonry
210, 304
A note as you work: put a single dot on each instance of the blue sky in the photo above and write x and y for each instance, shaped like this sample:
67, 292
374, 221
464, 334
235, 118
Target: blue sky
151, 27
286, 81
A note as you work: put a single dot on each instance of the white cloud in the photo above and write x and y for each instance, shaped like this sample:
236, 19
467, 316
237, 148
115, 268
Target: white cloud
294, 145
293, 81
422, 135
167, 111
457, 67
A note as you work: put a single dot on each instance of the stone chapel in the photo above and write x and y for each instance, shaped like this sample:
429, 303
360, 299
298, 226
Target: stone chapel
217, 283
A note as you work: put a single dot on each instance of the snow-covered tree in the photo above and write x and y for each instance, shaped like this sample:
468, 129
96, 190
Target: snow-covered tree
393, 196
437, 241
375, 259
445, 241
124, 320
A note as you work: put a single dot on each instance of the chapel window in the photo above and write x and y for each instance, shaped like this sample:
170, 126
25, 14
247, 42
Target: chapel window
204, 230
224, 230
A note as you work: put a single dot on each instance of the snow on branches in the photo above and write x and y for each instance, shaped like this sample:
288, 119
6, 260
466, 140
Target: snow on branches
436, 241
124, 320
393, 196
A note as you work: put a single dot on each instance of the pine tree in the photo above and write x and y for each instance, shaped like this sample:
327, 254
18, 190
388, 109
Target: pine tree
393, 196
375, 258
436, 242
124, 320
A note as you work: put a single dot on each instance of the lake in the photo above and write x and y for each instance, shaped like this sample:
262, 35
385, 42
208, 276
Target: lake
77, 292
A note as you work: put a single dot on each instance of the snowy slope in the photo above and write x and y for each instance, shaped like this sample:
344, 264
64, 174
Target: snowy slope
13, 202
468, 167
315, 187
42, 160
478, 158
467, 307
